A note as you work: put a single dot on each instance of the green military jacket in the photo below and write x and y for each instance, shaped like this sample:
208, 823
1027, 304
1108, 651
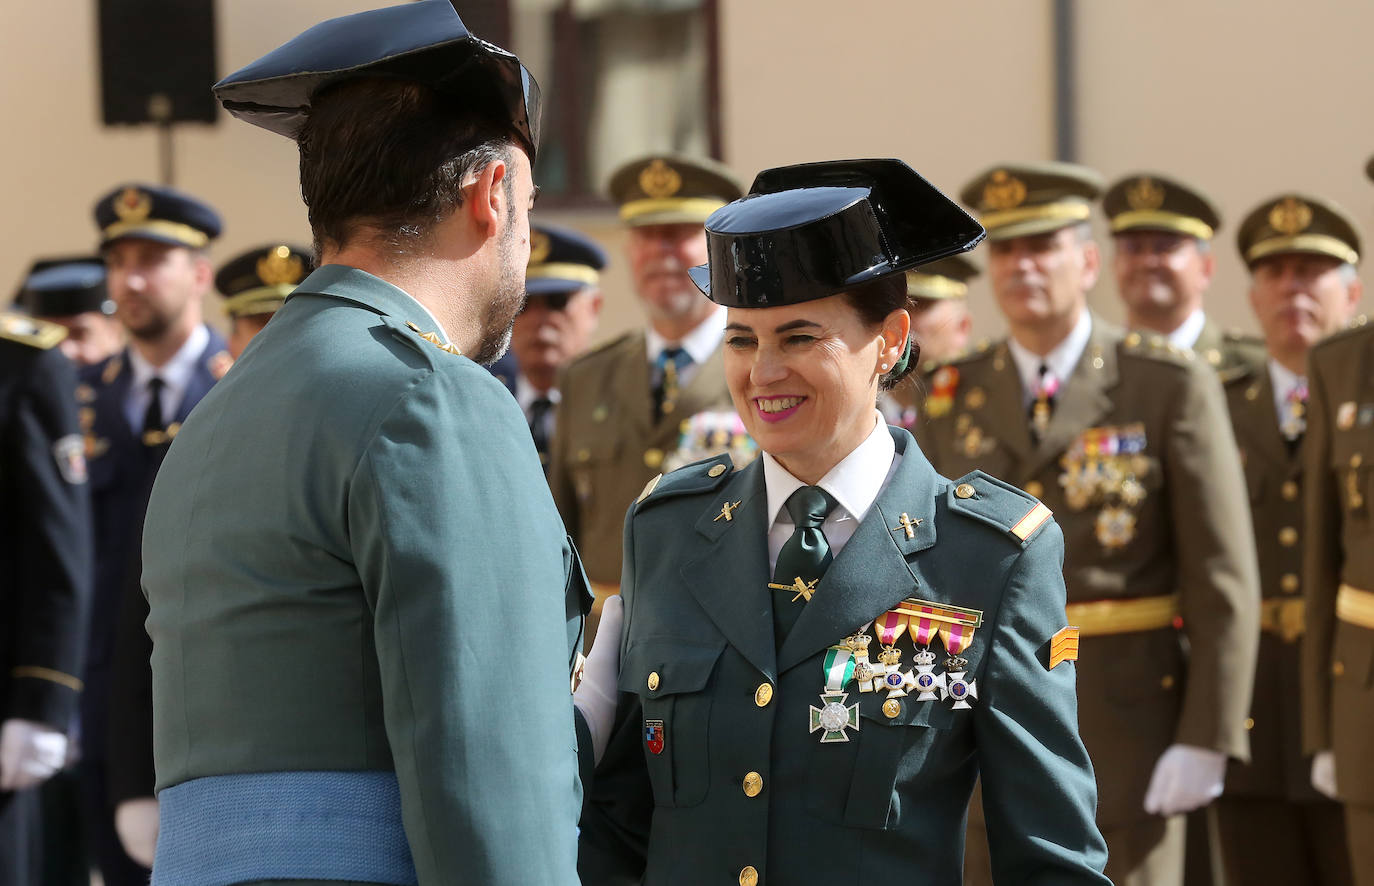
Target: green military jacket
1278, 768
608, 442
714, 775
1338, 653
1182, 526
353, 563
1226, 350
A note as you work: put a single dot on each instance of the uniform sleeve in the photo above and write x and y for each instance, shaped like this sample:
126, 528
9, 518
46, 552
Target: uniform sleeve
54, 545
1039, 794
466, 569
1321, 566
614, 841
1218, 571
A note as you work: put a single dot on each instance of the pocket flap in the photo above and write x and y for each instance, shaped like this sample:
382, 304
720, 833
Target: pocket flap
659, 666
936, 714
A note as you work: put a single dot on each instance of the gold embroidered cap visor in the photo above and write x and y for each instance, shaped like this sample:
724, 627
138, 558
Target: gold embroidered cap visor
1148, 201
1298, 223
941, 280
1030, 199
152, 212
668, 189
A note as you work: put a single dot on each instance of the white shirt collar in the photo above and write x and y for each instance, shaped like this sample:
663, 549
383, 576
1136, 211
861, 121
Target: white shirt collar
1284, 380
1061, 360
525, 393
175, 373
700, 343
854, 483
1186, 335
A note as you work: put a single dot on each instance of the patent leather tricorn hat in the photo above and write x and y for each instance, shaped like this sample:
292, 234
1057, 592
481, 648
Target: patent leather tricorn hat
818, 229
425, 42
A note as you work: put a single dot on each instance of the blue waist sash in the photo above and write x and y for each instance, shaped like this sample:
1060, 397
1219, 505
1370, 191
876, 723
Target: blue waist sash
227, 829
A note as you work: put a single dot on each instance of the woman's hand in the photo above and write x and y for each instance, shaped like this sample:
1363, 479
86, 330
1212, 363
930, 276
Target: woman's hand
596, 695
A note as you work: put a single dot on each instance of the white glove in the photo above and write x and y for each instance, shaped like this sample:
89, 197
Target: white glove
1324, 773
136, 824
30, 753
596, 696
1185, 778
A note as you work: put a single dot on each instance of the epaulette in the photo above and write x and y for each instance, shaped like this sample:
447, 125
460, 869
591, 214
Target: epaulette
1236, 373
27, 331
426, 343
592, 354
702, 476
1354, 329
1000, 505
1156, 347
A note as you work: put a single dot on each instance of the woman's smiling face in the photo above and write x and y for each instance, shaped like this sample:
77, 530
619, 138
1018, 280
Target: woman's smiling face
804, 378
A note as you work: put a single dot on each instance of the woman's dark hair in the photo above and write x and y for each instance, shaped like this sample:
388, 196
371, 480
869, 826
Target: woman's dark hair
873, 302
391, 155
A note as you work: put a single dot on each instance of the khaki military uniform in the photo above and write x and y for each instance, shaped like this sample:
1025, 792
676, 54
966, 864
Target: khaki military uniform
609, 443
1338, 576
1166, 546
1227, 350
1273, 825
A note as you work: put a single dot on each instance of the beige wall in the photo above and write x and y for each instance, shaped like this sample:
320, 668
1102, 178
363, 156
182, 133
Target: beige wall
1242, 98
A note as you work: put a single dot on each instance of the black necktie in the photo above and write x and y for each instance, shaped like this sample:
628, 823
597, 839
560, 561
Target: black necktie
152, 418
668, 369
804, 558
539, 410
1042, 406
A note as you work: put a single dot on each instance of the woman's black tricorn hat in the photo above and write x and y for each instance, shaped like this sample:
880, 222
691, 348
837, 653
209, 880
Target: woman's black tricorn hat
422, 41
813, 230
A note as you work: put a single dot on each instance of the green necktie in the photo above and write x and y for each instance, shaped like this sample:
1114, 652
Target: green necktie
803, 558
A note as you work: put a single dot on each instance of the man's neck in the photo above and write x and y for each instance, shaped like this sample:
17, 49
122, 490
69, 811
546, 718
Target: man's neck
1042, 338
160, 351
1294, 361
440, 285
1162, 322
675, 329
541, 378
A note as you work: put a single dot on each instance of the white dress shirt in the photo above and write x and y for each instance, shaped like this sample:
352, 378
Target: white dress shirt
1185, 336
854, 483
175, 374
699, 344
1060, 360
1284, 380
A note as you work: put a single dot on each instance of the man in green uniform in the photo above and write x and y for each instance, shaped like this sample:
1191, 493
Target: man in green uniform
1162, 230
623, 403
364, 609
1338, 569
1128, 442
1272, 825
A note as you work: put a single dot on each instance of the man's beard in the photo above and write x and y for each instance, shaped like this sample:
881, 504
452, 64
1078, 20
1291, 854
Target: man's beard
504, 305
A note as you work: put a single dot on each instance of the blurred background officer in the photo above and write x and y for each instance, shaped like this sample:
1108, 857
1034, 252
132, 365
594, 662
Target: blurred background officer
937, 300
71, 293
562, 305
324, 635
255, 284
1130, 446
45, 558
1338, 560
153, 240
1273, 826
1162, 230
623, 403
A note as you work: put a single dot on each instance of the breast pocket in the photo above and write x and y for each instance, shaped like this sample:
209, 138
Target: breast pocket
595, 461
1352, 469
886, 765
672, 678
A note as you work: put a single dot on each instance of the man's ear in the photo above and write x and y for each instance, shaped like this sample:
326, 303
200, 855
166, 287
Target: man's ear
485, 200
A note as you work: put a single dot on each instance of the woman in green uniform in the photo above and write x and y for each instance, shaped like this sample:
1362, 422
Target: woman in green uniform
820, 652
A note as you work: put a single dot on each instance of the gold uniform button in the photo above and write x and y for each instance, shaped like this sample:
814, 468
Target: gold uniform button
964, 490
1356, 460
716, 471
1167, 682
763, 695
753, 784
1338, 669
653, 681
892, 707
1035, 488
1133, 340
1249, 722
1290, 583
1288, 536
584, 455
1289, 490
653, 458
749, 876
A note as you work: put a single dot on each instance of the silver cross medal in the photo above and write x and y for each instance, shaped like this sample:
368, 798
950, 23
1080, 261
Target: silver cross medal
927, 681
834, 718
958, 688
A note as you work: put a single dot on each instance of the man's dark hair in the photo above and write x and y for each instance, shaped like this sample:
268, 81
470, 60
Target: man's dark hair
391, 155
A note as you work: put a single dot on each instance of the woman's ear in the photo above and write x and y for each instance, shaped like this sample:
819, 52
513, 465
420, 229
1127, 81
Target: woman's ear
896, 328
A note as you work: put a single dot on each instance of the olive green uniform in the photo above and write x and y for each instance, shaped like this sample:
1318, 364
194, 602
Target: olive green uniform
1273, 826
1338, 573
1182, 530
713, 776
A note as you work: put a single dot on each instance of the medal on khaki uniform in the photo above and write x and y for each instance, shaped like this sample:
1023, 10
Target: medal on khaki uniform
833, 717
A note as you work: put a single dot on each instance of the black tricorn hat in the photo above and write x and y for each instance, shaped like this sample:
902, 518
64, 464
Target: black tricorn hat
816, 229
424, 41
